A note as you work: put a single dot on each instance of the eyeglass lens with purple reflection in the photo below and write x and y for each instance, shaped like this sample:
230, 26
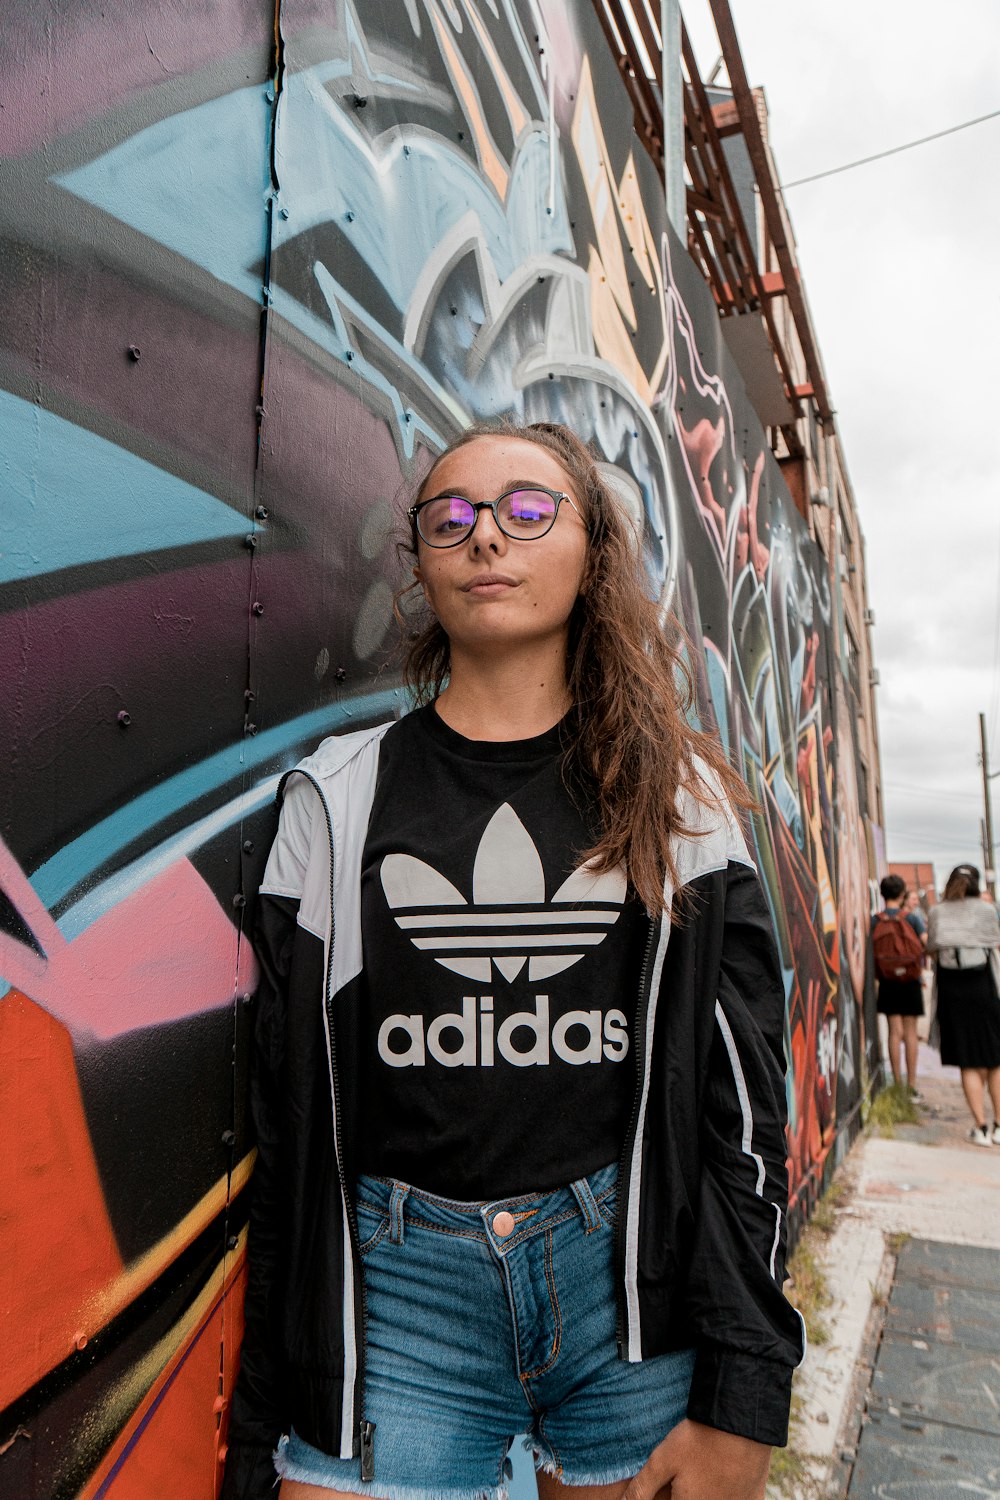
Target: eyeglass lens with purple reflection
523, 514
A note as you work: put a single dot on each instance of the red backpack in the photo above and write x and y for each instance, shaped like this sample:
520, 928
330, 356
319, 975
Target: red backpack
899, 953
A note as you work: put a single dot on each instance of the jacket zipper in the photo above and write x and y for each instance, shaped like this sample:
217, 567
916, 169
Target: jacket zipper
366, 1430
621, 1217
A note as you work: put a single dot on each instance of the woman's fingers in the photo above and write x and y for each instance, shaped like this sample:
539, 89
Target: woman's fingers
701, 1463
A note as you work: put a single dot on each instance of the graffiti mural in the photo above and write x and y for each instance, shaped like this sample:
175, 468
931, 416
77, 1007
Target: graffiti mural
259, 268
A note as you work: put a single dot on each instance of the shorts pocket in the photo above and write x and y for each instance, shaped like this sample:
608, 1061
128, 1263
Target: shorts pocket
372, 1225
608, 1206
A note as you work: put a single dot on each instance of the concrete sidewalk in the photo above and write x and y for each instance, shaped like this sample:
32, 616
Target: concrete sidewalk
925, 1184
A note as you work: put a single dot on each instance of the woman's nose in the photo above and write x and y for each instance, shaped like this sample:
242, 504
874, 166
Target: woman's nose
486, 535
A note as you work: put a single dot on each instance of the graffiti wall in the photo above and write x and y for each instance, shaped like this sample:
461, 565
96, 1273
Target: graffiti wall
258, 268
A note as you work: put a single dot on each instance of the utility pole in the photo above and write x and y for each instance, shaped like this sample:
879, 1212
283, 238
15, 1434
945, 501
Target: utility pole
990, 872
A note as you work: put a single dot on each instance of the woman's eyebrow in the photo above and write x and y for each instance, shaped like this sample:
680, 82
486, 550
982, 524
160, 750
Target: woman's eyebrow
509, 484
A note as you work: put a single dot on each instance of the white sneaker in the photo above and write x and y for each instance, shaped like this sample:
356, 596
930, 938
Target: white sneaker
996, 1134
979, 1135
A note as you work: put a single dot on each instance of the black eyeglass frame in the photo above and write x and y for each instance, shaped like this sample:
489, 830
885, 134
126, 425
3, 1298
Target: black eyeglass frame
477, 505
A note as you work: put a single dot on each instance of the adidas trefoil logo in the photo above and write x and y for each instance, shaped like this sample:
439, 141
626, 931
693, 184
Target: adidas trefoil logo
508, 923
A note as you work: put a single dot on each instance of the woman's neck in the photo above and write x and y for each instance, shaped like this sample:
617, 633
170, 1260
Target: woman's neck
505, 698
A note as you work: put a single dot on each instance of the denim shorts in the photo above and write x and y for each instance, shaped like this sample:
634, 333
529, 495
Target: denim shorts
487, 1320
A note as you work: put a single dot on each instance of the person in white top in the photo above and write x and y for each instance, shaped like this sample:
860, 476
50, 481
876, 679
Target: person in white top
963, 934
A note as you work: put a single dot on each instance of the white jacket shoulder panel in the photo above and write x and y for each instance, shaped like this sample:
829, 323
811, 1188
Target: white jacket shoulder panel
716, 838
337, 779
963, 932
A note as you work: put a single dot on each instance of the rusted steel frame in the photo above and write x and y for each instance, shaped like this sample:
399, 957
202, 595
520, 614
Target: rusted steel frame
649, 122
717, 278
773, 214
640, 86
707, 186
699, 203
735, 212
648, 127
726, 117
652, 43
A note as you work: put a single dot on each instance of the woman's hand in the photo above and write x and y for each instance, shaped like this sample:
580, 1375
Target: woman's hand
695, 1462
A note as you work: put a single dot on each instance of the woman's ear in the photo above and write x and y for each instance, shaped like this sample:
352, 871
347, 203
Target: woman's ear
418, 579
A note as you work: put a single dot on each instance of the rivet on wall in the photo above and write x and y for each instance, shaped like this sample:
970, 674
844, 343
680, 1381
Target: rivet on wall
124, 718
134, 353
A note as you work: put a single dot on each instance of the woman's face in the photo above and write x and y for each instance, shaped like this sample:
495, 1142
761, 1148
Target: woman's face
490, 589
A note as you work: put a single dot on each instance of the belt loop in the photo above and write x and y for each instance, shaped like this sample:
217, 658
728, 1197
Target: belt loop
399, 1195
584, 1196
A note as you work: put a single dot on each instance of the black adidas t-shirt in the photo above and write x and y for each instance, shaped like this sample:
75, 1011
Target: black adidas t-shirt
500, 977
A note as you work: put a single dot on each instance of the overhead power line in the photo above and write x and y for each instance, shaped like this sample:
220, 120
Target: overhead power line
863, 161
930, 791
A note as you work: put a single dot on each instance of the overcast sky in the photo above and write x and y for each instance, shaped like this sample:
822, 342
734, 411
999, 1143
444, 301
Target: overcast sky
901, 261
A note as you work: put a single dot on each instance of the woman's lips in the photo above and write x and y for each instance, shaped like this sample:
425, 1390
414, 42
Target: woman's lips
487, 585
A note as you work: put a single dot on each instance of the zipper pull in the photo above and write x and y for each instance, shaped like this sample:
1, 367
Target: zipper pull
367, 1451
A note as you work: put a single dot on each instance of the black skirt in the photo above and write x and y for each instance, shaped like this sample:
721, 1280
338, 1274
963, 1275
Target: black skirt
969, 1017
900, 997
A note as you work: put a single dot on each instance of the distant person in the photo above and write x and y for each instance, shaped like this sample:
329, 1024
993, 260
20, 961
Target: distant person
964, 934
898, 949
914, 912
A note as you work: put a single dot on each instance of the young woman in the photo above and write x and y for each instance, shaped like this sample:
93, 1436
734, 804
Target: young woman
900, 995
519, 1088
963, 932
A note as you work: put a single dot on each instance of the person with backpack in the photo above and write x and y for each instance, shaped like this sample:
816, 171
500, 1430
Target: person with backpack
898, 950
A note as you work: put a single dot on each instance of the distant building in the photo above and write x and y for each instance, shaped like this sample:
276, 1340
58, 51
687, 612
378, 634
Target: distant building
918, 877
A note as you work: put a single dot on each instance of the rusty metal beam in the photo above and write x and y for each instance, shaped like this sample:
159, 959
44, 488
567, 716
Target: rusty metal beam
651, 136
735, 215
702, 204
650, 106
718, 239
726, 117
775, 216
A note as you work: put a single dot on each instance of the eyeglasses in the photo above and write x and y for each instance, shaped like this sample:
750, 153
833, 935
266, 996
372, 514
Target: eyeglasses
524, 514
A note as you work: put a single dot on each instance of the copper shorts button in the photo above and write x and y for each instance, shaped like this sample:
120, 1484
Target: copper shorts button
503, 1224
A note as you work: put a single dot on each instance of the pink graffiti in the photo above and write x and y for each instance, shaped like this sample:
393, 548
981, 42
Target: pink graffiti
164, 952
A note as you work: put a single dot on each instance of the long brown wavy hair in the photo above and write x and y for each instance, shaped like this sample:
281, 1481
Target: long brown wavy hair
962, 883
628, 741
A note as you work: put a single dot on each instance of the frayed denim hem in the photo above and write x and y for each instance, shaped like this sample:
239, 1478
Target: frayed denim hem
375, 1490
545, 1464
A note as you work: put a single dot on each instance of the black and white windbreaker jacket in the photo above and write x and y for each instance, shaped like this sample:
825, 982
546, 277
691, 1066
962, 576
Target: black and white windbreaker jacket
703, 1184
